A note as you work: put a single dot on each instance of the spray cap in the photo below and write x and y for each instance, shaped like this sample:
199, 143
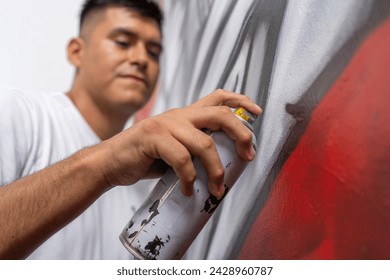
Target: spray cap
246, 115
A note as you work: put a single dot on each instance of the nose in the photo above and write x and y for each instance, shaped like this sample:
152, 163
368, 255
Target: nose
138, 56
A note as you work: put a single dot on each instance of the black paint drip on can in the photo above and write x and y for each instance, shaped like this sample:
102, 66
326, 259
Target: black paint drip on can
168, 222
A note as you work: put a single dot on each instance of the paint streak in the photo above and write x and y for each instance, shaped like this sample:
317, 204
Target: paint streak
133, 234
154, 212
130, 225
146, 110
331, 199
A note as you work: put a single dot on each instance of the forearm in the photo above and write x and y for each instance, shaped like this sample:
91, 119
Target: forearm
35, 207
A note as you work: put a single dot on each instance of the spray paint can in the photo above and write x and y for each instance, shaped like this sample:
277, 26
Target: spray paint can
168, 222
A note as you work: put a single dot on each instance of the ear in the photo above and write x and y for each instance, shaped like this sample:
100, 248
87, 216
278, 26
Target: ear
75, 51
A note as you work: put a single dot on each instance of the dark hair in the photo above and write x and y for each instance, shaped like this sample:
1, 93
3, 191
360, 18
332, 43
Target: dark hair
146, 8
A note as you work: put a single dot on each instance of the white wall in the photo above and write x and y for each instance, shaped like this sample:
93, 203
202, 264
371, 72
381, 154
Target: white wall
33, 39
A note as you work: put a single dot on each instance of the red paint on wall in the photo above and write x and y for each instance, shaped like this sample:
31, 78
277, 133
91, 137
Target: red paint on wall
145, 112
332, 197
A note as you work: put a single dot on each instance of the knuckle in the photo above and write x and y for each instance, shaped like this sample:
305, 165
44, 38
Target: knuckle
218, 173
219, 91
151, 126
246, 137
225, 111
183, 159
207, 143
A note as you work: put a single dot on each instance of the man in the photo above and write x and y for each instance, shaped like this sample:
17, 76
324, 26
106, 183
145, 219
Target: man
117, 63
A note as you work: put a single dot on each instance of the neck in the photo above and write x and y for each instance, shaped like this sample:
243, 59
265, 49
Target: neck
103, 122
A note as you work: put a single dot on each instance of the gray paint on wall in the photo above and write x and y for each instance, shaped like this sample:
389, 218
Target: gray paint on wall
277, 53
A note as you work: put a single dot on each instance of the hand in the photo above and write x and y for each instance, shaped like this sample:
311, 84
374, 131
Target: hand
174, 137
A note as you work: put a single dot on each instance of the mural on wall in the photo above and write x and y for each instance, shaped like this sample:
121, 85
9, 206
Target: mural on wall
319, 69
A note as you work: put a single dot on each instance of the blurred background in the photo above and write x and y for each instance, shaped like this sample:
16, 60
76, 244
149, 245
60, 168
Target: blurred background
34, 35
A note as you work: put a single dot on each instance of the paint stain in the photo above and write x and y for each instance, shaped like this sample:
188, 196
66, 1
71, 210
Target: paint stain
154, 212
133, 234
153, 247
130, 225
212, 202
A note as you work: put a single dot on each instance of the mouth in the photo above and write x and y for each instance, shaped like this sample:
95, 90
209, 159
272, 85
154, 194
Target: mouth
135, 78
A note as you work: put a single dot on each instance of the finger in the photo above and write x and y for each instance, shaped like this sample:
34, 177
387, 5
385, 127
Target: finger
177, 156
240, 134
230, 99
159, 143
222, 118
203, 147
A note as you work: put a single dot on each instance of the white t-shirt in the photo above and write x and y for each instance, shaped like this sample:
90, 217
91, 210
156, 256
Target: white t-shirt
37, 130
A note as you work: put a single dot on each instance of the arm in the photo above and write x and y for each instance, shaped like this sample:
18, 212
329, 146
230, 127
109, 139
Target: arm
35, 207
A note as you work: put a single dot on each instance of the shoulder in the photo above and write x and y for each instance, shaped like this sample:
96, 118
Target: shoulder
16, 132
17, 112
14, 103
21, 110
13, 98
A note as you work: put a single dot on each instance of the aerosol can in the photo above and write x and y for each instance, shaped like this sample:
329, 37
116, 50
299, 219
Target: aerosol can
168, 222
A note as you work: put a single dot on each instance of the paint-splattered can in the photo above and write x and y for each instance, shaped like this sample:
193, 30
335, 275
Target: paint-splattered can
168, 222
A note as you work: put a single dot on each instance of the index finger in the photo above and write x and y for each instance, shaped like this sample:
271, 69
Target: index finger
233, 100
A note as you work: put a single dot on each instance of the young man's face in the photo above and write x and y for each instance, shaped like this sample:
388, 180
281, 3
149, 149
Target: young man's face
119, 63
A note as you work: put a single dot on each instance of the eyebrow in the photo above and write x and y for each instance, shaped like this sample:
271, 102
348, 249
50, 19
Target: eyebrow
129, 33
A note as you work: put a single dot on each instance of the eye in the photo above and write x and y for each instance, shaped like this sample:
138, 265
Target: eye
121, 43
154, 52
